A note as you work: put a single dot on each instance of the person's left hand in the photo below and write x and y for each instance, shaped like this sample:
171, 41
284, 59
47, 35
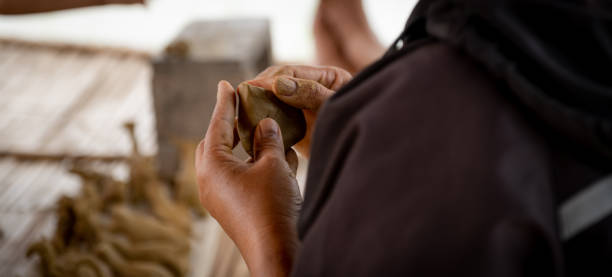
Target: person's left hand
303, 87
256, 201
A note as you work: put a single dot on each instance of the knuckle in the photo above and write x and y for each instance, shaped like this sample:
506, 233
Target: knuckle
341, 71
270, 160
340, 77
268, 71
313, 94
275, 69
327, 76
284, 70
216, 151
347, 75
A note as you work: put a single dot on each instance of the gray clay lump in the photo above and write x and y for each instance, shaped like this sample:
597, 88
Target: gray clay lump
256, 103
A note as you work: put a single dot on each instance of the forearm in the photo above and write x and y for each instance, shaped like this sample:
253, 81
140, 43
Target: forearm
36, 6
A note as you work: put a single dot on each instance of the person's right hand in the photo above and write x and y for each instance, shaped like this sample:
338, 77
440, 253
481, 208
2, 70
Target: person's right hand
303, 87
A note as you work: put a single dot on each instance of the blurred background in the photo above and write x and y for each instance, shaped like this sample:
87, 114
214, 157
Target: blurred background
97, 102
151, 27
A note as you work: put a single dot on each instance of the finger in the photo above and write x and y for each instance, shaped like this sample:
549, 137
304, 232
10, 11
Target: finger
268, 141
301, 93
236, 136
220, 135
330, 77
292, 160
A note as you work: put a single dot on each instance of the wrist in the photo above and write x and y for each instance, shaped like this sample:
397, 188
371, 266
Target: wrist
273, 258
270, 251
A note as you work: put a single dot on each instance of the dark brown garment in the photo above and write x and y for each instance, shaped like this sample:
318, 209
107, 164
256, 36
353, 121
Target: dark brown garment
425, 165
452, 155
425, 169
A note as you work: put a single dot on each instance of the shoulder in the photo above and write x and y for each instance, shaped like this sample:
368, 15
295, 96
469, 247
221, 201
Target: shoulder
424, 155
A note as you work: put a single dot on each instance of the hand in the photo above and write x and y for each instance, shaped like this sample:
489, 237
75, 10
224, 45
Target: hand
257, 201
303, 87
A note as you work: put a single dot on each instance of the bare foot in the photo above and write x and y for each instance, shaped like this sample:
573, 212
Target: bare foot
343, 36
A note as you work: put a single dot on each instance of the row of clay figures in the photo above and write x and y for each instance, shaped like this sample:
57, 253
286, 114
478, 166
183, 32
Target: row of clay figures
141, 227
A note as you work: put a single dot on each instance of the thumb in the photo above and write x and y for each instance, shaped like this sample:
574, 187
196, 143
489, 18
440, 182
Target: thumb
301, 93
268, 140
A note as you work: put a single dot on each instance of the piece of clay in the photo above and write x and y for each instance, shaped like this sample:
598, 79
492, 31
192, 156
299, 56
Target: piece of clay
69, 263
78, 222
166, 209
155, 226
255, 104
142, 227
90, 265
111, 190
44, 249
176, 260
129, 268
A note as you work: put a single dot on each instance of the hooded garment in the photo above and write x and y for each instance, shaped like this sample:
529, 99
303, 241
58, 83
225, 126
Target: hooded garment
452, 155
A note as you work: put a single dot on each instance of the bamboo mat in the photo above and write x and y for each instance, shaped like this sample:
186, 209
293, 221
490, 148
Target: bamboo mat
56, 99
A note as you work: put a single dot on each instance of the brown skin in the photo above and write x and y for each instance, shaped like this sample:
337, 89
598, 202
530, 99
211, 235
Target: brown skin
257, 201
343, 37
313, 85
36, 6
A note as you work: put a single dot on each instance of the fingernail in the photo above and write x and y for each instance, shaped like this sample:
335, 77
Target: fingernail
285, 86
268, 128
